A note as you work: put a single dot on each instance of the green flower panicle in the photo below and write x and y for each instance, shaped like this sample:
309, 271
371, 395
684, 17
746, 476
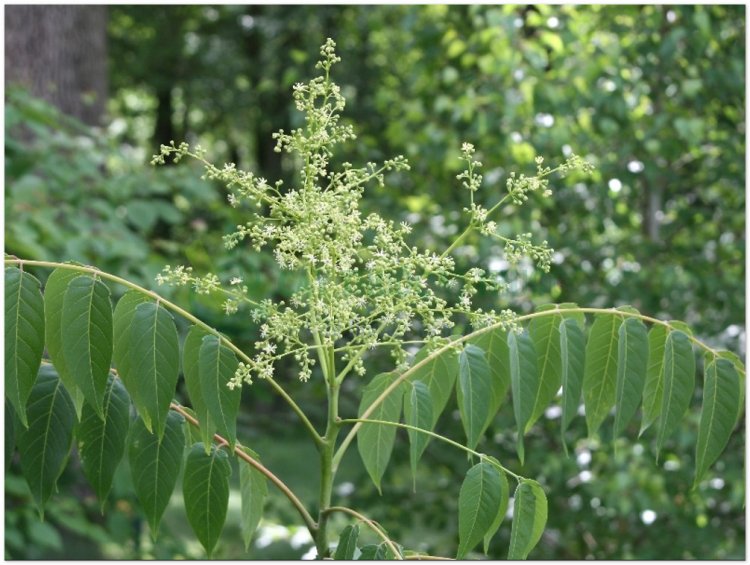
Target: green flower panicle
368, 287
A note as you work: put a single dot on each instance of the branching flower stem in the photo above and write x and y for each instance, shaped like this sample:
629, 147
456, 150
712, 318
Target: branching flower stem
185, 314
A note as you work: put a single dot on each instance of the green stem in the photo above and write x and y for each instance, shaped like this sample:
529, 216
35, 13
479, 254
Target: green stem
457, 241
327, 473
431, 434
185, 314
371, 524
439, 351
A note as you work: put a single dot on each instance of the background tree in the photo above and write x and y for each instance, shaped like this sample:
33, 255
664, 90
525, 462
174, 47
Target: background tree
60, 54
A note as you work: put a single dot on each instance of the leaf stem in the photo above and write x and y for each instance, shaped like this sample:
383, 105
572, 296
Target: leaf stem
436, 436
370, 523
185, 314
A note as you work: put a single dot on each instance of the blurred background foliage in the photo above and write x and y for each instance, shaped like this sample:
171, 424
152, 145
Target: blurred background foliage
653, 95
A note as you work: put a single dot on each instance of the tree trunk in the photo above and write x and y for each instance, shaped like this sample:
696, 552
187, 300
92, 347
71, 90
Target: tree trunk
59, 53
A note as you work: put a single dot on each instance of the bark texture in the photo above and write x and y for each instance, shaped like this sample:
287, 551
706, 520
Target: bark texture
59, 53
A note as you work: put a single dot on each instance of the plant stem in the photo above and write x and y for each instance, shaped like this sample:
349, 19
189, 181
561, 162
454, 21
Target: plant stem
432, 434
370, 523
327, 472
185, 314
457, 241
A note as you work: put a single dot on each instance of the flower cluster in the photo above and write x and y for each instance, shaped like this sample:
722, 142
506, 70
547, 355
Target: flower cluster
207, 284
367, 286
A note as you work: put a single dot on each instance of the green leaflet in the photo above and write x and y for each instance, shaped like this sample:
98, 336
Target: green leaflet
524, 377
101, 443
155, 362
679, 381
572, 347
682, 326
478, 502
155, 464
10, 432
501, 509
253, 492
721, 399
216, 366
417, 413
379, 552
368, 552
87, 337
24, 337
739, 365
45, 444
632, 362
653, 390
375, 441
439, 374
205, 488
121, 354
54, 293
600, 371
473, 393
193, 432
529, 519
190, 356
347, 543
495, 345
545, 334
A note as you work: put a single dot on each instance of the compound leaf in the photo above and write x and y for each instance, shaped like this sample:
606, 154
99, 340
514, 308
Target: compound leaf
155, 464
375, 441
101, 443
87, 337
24, 337
216, 366
155, 362
632, 362
529, 519
205, 488
45, 444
